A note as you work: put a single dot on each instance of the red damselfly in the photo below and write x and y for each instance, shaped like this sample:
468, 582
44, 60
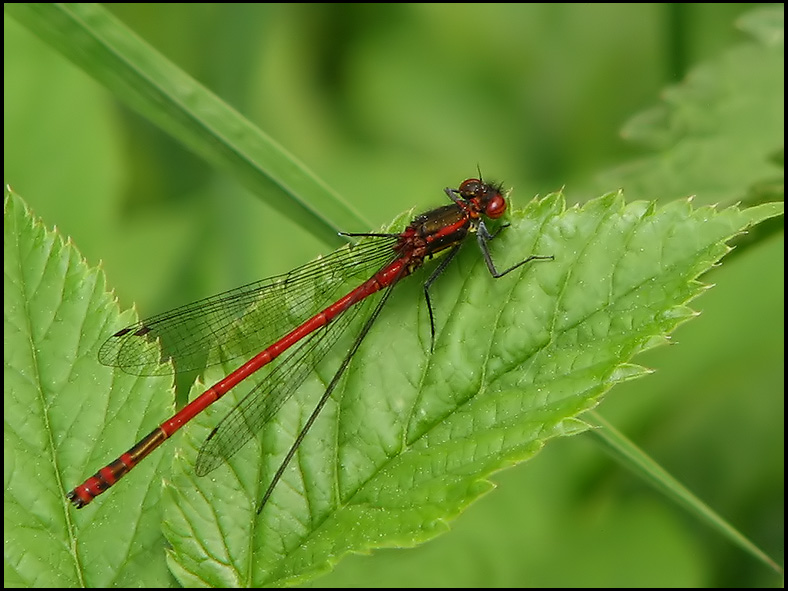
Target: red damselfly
296, 310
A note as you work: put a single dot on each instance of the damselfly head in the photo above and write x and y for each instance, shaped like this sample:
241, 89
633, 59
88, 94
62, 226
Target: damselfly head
488, 197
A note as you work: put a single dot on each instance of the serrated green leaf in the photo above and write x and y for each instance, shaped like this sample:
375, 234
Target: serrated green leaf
493, 559
65, 416
410, 438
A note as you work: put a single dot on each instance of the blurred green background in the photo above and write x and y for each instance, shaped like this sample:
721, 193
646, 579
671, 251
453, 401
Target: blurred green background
389, 104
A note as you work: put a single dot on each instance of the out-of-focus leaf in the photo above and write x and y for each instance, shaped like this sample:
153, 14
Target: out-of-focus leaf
713, 134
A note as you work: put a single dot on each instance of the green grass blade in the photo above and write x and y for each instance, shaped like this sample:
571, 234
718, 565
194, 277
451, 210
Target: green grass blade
637, 461
146, 81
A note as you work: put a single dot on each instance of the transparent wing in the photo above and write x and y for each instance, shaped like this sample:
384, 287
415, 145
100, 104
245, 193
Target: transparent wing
258, 407
244, 320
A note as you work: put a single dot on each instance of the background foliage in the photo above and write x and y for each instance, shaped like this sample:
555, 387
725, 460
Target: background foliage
384, 103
